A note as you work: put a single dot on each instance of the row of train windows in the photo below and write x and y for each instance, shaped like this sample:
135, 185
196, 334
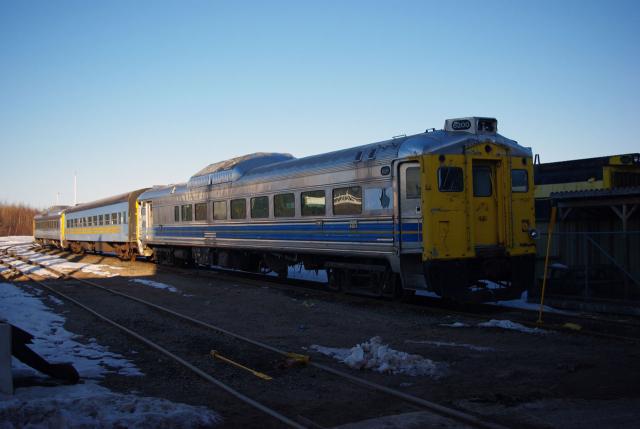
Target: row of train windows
346, 201
47, 224
98, 220
451, 179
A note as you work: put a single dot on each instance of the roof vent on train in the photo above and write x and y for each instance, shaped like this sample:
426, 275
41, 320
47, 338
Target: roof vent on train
473, 125
234, 168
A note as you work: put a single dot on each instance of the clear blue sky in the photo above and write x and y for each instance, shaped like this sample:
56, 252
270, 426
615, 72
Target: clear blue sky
132, 93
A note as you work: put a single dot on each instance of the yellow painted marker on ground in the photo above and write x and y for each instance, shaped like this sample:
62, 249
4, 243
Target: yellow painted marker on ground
216, 355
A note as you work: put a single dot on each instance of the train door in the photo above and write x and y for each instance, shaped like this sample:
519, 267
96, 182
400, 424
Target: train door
145, 220
485, 203
409, 197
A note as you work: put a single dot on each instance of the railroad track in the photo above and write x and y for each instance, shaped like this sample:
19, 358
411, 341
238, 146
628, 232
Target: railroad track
577, 324
249, 351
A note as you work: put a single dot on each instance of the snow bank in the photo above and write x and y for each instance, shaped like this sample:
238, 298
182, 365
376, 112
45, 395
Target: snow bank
513, 326
93, 406
375, 356
156, 285
55, 343
86, 405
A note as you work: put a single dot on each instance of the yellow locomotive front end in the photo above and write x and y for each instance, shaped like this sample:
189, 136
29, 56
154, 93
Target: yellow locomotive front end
478, 215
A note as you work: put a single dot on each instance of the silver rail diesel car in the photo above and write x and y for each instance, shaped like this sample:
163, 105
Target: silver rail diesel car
446, 211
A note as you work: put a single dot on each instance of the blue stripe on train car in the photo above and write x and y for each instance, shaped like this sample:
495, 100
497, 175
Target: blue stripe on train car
364, 232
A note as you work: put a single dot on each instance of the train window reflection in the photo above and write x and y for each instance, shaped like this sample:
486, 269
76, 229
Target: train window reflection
378, 198
284, 205
450, 179
413, 182
347, 201
313, 203
519, 181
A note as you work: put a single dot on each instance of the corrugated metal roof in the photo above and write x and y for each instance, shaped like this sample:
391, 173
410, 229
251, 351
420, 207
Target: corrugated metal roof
597, 193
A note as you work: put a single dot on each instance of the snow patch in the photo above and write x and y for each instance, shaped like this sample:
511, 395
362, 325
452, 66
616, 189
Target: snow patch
85, 405
93, 406
22, 247
427, 293
154, 284
30, 269
375, 356
448, 344
502, 324
523, 304
512, 326
299, 273
52, 341
455, 325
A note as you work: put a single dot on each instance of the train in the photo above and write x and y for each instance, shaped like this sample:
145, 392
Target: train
447, 211
579, 175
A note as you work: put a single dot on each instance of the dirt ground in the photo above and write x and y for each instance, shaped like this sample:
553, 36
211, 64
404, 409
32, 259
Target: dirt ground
517, 379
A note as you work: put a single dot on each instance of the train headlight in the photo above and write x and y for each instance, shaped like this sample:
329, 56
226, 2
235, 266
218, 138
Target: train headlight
533, 233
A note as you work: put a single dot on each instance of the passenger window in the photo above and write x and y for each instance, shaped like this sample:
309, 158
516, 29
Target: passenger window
220, 210
378, 198
313, 203
259, 207
413, 182
238, 209
519, 181
482, 182
347, 201
124, 217
284, 205
176, 214
187, 213
201, 211
114, 219
450, 179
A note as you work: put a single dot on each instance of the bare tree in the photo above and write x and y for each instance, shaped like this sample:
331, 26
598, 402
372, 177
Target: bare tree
16, 219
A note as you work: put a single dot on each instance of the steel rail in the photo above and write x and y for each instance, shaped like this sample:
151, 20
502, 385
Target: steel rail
252, 280
444, 411
269, 411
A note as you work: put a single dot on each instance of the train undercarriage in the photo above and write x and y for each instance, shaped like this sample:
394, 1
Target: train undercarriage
476, 279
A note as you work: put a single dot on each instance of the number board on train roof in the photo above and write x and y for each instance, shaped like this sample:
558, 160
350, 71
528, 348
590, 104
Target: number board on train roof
472, 125
461, 124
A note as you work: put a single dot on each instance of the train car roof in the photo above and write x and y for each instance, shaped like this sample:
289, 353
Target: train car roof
162, 191
105, 201
580, 170
272, 166
51, 212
